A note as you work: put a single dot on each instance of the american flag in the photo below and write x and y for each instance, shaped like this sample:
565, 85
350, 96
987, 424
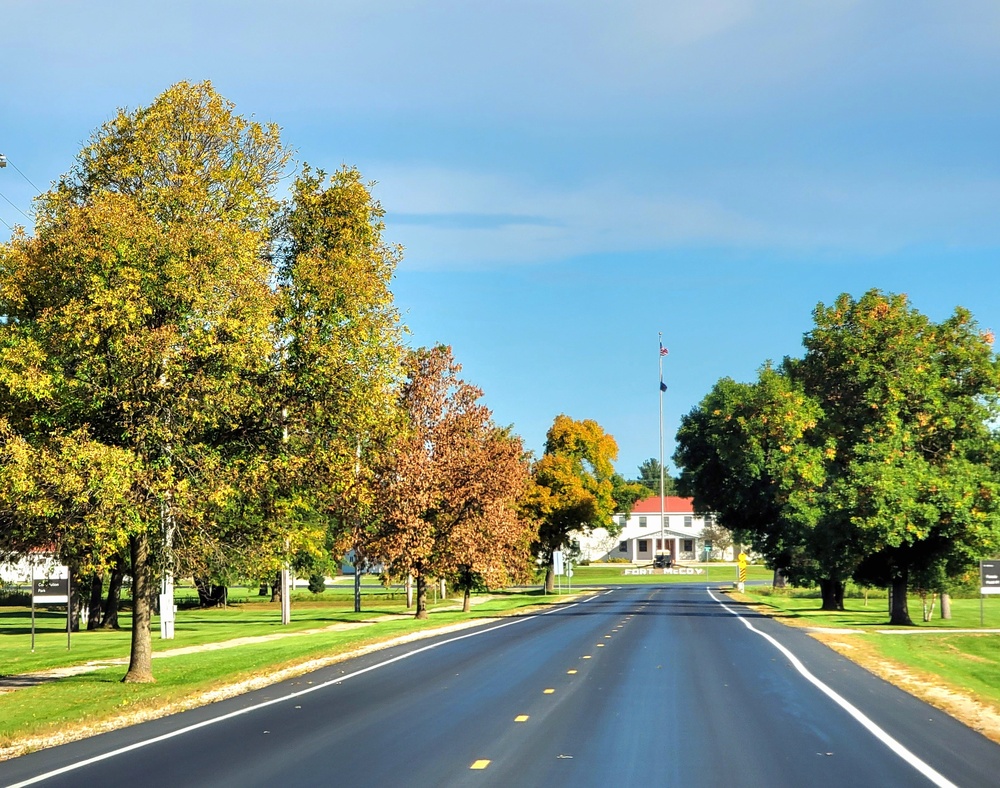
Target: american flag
663, 351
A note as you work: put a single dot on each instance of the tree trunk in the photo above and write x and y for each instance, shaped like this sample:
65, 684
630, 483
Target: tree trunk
833, 594
109, 617
75, 605
779, 580
263, 589
421, 596
467, 601
899, 614
550, 580
357, 588
94, 605
928, 606
276, 588
140, 666
945, 605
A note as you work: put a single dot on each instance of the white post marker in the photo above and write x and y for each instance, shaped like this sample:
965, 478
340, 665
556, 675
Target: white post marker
286, 597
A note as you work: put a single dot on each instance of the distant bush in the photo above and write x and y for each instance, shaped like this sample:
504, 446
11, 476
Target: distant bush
317, 583
616, 560
13, 596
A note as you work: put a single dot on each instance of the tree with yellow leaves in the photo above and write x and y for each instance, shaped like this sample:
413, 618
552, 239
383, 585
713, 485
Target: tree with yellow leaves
138, 336
573, 486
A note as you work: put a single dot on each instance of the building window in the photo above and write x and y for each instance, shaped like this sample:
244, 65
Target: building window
709, 521
643, 545
688, 521
688, 545
622, 521
623, 547
642, 522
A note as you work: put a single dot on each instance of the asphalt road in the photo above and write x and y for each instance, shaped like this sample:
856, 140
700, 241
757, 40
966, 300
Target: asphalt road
643, 685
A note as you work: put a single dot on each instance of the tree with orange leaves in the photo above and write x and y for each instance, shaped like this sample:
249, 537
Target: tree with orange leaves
450, 486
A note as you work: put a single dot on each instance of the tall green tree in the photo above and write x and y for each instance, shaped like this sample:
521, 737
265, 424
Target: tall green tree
573, 486
139, 335
626, 494
649, 477
744, 456
873, 456
908, 407
340, 339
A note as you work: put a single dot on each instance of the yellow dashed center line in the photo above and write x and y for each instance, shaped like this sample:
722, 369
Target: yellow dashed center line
480, 764
585, 656
549, 691
571, 672
521, 718
600, 645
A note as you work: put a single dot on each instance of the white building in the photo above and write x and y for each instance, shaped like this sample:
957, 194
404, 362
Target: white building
643, 534
19, 572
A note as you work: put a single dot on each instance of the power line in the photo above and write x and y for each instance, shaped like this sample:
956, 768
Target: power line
37, 190
4, 161
12, 205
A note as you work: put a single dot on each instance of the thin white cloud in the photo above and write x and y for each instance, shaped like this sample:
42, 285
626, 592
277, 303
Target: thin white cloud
797, 214
558, 224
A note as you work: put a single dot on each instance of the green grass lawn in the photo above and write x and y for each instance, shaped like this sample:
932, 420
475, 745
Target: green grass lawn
873, 611
246, 615
87, 699
966, 663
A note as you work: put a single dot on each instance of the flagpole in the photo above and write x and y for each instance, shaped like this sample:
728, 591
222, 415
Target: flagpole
663, 543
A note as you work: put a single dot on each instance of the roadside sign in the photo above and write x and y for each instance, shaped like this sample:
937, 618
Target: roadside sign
50, 591
557, 562
989, 577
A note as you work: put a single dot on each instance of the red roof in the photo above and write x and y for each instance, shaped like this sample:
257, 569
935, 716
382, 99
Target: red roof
672, 504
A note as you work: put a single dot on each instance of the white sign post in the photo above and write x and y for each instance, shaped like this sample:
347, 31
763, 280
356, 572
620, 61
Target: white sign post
558, 567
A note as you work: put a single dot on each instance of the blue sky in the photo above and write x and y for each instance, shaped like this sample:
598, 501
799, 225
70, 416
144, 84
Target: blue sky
570, 178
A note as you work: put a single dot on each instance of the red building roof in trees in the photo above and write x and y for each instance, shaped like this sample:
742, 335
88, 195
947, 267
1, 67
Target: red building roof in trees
672, 504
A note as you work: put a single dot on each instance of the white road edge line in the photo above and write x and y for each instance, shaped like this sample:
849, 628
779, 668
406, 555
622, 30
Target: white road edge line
927, 771
297, 694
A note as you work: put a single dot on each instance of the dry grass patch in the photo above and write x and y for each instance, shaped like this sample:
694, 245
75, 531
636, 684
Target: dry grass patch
978, 714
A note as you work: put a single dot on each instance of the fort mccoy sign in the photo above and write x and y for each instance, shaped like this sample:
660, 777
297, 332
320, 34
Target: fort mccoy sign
676, 570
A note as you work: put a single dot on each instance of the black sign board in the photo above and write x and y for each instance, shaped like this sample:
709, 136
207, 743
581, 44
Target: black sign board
989, 574
51, 591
